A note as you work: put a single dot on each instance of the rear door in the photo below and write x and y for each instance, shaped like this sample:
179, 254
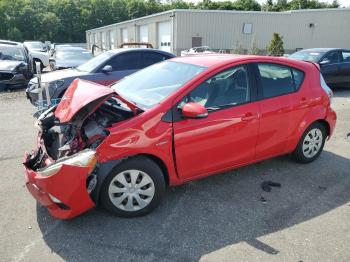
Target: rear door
122, 65
227, 136
278, 106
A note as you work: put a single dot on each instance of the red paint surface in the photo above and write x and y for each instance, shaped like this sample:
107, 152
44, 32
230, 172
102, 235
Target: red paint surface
195, 148
68, 185
79, 94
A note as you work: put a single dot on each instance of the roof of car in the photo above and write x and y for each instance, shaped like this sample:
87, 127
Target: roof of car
72, 48
124, 50
213, 60
8, 42
321, 50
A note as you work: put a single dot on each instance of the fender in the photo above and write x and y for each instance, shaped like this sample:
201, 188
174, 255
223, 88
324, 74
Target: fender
43, 57
151, 137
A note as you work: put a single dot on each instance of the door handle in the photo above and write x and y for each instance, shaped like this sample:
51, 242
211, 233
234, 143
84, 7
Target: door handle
248, 117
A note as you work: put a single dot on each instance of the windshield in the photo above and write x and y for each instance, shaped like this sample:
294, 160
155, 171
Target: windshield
150, 86
95, 62
73, 54
11, 53
34, 45
312, 56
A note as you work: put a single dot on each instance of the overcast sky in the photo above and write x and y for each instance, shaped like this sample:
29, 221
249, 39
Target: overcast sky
344, 3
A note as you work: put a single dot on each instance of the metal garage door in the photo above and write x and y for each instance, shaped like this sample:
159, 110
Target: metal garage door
125, 35
164, 36
143, 33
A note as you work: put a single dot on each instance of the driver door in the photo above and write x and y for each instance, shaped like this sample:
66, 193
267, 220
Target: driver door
227, 137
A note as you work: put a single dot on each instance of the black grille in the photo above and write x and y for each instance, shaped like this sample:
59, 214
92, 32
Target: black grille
6, 76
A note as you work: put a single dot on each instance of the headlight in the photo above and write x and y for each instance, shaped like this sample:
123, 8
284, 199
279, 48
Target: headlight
85, 158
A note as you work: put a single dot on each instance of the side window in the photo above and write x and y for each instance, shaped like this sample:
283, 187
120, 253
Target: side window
298, 77
276, 79
332, 57
346, 56
150, 58
228, 88
127, 61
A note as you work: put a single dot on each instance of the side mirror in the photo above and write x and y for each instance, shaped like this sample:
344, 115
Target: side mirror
324, 62
107, 69
194, 110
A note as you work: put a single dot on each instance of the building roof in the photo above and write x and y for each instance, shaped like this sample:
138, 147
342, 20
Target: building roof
225, 12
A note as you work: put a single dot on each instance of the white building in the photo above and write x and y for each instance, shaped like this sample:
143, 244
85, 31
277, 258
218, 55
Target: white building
177, 30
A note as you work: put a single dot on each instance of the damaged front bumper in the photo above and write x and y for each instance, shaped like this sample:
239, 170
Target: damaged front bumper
62, 187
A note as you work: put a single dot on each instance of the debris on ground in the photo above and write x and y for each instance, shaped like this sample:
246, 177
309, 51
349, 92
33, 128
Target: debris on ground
266, 185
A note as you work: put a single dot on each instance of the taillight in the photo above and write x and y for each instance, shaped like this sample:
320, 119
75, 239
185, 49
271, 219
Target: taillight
326, 88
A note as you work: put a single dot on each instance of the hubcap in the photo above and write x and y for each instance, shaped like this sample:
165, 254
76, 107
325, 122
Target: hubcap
312, 143
131, 190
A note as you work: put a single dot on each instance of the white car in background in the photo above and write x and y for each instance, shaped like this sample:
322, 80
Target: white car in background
198, 50
39, 53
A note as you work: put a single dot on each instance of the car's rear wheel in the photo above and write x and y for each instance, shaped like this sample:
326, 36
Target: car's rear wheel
134, 188
311, 143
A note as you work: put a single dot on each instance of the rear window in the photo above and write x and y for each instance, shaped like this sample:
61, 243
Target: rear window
277, 80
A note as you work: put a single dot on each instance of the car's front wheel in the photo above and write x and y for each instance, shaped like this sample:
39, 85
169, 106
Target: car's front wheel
311, 143
134, 188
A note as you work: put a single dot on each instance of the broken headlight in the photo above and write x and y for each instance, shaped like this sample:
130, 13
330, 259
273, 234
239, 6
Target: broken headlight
85, 158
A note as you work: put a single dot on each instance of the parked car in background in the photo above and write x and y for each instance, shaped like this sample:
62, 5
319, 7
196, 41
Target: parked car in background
39, 52
199, 50
16, 65
104, 69
334, 63
55, 47
69, 57
173, 122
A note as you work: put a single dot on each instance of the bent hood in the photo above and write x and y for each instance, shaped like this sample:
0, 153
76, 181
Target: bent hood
9, 65
79, 94
61, 74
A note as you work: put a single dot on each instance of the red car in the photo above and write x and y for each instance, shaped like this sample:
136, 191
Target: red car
173, 122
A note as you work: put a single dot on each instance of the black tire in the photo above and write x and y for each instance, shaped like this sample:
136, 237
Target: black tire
146, 166
41, 65
298, 154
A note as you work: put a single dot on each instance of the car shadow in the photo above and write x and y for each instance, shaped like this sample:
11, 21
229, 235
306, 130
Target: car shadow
206, 215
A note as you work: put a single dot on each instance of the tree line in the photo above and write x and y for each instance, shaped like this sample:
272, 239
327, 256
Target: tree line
67, 20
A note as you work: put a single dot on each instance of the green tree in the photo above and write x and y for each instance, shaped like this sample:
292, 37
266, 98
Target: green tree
275, 48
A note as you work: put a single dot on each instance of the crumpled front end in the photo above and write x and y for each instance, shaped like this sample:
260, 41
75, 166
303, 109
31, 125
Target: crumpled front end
62, 186
61, 173
64, 193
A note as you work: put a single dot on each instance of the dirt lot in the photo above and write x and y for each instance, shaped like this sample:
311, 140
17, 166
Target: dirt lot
221, 218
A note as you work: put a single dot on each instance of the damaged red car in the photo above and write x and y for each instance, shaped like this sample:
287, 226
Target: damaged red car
173, 122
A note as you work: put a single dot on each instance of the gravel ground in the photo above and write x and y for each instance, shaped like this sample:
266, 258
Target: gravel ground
221, 218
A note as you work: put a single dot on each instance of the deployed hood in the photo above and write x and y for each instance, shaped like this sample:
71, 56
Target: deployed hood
61, 74
9, 65
78, 95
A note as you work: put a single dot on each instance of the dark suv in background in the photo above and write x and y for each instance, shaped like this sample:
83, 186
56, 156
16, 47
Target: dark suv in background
104, 69
16, 65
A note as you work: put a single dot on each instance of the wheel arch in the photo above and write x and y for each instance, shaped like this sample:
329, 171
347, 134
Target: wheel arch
325, 124
105, 169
